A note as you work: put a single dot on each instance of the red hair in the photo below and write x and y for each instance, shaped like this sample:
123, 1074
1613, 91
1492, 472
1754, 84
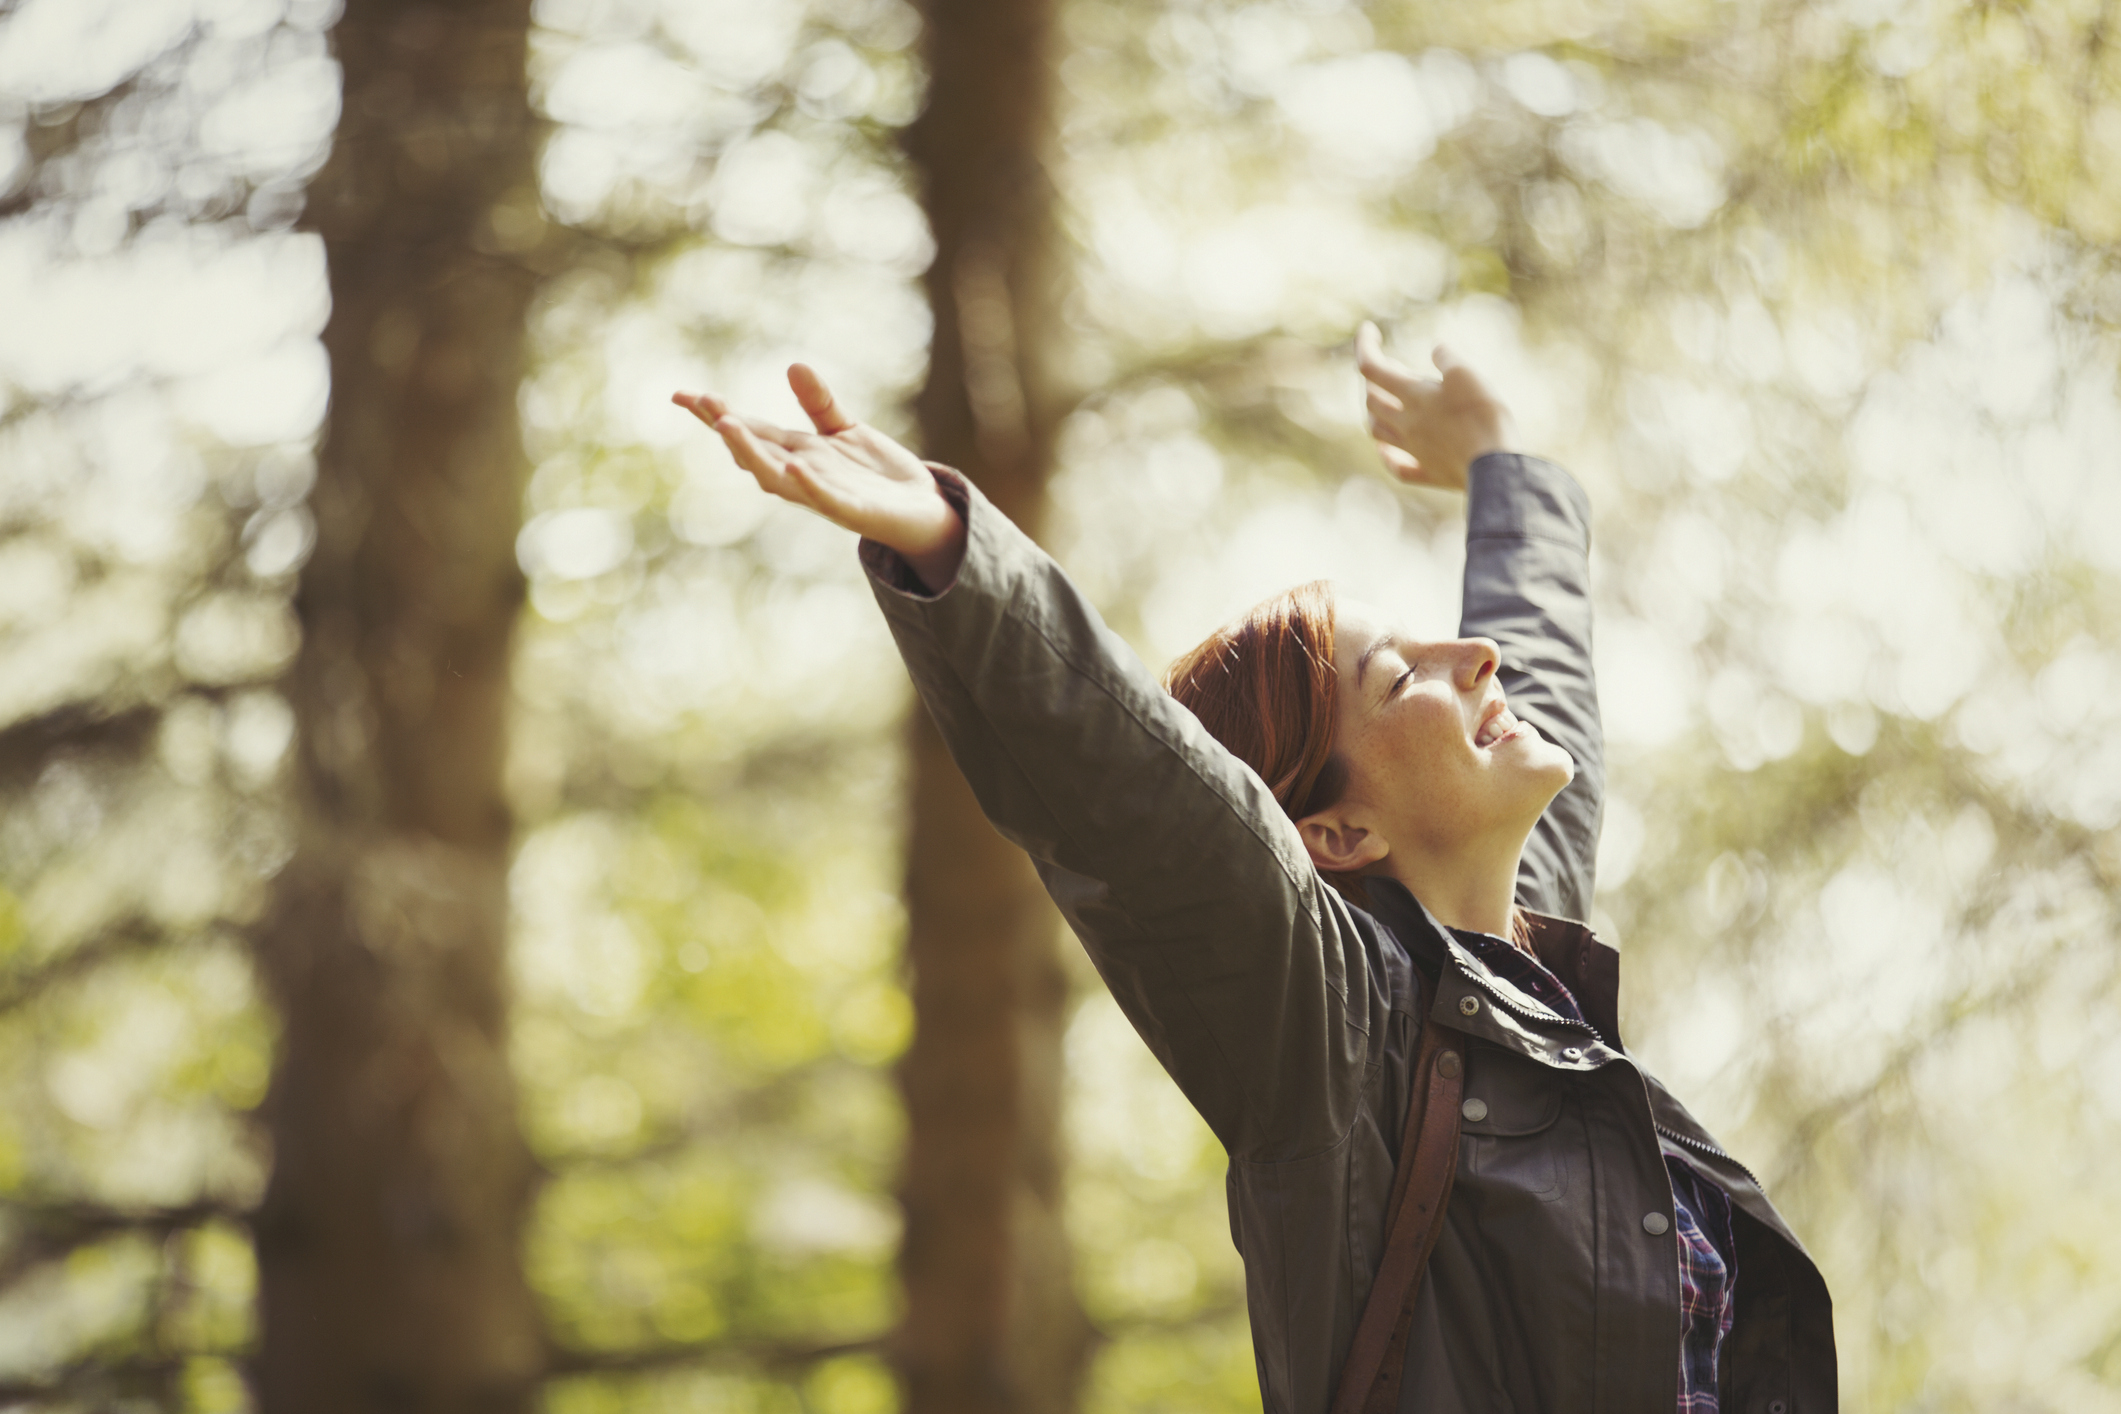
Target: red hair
1265, 687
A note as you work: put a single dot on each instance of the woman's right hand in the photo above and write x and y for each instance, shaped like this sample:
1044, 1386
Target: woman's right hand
1429, 430
849, 473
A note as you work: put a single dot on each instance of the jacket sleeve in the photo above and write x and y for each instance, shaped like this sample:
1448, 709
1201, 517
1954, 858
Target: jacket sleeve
1167, 855
1527, 586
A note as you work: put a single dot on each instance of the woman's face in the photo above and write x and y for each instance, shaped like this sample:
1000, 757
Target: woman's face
1436, 763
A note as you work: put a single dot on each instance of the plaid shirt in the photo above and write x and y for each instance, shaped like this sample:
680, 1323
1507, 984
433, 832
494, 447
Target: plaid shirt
1708, 1251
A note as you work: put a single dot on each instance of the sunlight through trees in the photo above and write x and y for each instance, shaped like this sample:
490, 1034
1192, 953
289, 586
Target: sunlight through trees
1819, 300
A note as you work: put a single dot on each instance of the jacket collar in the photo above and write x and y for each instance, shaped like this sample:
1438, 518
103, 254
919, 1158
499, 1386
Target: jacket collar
1588, 967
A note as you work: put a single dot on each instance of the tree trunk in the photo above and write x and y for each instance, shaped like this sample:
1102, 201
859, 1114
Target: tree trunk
992, 1322
387, 1242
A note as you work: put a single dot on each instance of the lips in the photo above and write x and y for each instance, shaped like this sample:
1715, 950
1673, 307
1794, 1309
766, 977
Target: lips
1498, 725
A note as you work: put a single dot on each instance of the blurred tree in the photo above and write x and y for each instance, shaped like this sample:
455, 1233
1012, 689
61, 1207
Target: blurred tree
388, 1237
1817, 298
159, 386
992, 1322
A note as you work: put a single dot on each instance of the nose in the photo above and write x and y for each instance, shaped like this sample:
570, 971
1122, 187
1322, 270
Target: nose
1478, 658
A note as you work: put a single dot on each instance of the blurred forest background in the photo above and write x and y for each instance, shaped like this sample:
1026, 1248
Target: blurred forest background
492, 807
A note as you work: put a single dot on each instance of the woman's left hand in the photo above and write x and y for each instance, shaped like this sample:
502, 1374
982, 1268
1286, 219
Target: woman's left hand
847, 472
1429, 430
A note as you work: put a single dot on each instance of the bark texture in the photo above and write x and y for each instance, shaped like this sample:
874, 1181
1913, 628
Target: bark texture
992, 1322
387, 1242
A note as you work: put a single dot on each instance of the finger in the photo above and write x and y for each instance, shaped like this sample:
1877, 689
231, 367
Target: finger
1398, 462
769, 466
1369, 343
799, 484
762, 429
704, 406
1444, 359
711, 410
1375, 363
806, 485
817, 400
1381, 404
777, 435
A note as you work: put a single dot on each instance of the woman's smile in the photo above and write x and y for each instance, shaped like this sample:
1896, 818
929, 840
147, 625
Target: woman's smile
1499, 726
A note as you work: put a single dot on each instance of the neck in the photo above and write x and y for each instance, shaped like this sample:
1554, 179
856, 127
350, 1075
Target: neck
1473, 887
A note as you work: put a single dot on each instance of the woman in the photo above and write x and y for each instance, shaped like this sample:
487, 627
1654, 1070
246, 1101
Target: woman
1326, 832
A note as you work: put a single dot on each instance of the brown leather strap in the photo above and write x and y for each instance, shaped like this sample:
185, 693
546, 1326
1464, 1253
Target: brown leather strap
1428, 1161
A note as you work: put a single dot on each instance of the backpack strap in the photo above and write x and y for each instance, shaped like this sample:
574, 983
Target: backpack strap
1428, 1162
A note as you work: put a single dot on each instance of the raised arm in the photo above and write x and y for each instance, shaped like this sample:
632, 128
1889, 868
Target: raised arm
1527, 586
1191, 890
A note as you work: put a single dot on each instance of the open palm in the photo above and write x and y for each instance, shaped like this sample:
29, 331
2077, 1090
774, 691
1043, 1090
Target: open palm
846, 471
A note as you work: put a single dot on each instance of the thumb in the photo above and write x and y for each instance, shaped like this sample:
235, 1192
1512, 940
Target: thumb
1444, 359
1459, 379
817, 400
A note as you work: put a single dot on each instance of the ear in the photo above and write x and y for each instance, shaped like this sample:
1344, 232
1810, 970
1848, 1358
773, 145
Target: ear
1339, 847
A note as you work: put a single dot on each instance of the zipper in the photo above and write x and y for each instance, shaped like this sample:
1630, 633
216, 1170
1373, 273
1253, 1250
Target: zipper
1709, 1149
1543, 1017
1553, 1017
1550, 1017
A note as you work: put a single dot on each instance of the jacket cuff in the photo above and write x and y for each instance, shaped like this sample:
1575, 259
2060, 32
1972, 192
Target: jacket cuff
1510, 496
887, 567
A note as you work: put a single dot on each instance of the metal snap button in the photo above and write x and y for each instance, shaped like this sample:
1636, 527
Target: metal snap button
1656, 1224
1572, 1053
1776, 1406
1469, 1006
1447, 1065
1475, 1109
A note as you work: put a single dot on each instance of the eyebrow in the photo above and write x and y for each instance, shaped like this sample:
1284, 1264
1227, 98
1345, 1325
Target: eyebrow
1362, 664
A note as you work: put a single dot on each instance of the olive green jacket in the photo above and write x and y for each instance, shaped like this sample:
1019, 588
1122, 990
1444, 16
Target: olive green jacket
1290, 1018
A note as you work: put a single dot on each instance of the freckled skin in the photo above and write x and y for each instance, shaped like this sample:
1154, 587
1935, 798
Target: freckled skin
1425, 804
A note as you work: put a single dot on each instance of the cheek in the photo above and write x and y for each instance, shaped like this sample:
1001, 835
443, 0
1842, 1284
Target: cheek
1416, 753
1432, 736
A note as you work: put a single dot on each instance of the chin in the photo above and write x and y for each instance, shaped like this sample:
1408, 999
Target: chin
1527, 791
1564, 764
1553, 766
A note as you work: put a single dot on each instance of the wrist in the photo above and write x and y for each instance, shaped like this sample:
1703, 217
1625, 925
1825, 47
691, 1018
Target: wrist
938, 550
1501, 437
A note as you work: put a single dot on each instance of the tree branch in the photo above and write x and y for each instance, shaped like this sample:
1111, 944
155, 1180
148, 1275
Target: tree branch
760, 1356
1202, 363
25, 743
131, 934
96, 1381
787, 1357
121, 721
1948, 1018
733, 1114
42, 1232
1220, 1309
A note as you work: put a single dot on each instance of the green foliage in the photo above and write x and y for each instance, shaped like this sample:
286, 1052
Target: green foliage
700, 1016
1819, 301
